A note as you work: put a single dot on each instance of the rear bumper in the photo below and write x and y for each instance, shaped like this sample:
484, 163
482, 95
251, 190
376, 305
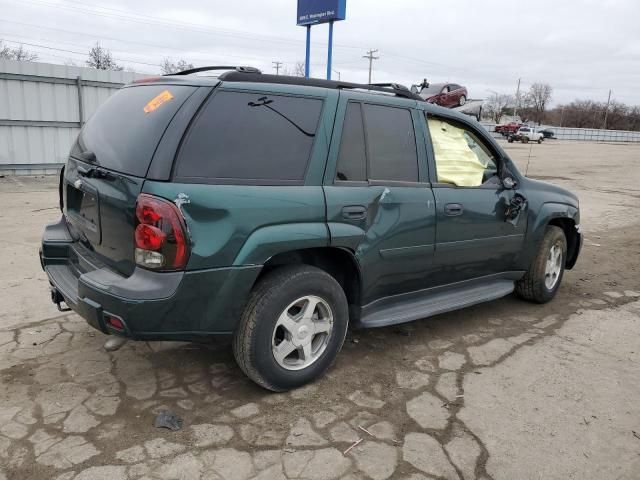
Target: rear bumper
151, 305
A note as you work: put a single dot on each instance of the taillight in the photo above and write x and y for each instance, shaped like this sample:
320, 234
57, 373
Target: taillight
161, 234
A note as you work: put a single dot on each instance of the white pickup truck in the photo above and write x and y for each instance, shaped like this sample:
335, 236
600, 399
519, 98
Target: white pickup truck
526, 134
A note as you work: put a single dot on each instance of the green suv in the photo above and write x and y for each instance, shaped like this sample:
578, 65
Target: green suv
279, 210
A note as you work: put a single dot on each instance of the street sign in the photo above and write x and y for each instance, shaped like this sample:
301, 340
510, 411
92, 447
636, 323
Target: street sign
313, 12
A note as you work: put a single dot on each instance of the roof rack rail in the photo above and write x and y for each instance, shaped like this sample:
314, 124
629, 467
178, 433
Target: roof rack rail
394, 88
216, 67
249, 76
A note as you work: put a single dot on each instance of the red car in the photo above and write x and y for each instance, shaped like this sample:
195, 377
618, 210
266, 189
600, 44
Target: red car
508, 128
448, 95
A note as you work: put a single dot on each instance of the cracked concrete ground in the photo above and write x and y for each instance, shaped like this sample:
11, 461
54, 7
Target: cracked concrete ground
504, 390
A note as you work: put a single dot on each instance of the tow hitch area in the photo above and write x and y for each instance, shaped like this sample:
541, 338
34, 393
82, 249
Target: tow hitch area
57, 298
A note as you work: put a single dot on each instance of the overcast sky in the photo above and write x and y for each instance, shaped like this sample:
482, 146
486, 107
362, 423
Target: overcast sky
582, 48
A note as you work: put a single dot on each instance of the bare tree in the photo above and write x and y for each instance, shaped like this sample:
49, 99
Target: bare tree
299, 69
19, 53
169, 67
101, 59
496, 105
539, 96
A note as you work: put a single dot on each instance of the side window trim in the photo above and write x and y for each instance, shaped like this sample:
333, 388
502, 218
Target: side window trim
433, 172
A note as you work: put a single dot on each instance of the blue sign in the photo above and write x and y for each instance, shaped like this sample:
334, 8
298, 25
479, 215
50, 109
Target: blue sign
313, 12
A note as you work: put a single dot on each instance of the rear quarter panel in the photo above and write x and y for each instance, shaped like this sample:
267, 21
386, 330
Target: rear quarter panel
246, 225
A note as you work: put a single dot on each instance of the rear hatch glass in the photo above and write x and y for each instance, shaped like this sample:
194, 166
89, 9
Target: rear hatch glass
107, 166
124, 132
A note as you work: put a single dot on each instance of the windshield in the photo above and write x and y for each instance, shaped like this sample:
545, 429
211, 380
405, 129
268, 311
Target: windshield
124, 132
432, 89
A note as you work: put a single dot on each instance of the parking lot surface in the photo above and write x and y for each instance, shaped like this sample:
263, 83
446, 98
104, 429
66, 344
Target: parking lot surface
503, 390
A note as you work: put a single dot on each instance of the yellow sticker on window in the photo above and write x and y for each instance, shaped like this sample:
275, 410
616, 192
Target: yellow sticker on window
156, 102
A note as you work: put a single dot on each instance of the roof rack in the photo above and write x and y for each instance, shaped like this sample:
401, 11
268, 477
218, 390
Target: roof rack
212, 68
235, 75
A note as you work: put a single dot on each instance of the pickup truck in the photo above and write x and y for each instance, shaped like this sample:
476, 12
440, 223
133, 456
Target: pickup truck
525, 135
508, 128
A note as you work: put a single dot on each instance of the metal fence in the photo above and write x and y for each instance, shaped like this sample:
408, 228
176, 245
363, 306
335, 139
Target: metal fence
43, 106
583, 134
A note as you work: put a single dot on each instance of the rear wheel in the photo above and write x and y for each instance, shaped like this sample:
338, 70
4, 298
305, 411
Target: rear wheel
293, 327
462, 100
539, 140
542, 281
525, 139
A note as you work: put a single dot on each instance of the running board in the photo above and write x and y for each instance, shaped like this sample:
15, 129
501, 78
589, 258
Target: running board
425, 304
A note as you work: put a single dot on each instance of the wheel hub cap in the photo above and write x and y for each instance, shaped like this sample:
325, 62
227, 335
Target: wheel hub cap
302, 333
553, 267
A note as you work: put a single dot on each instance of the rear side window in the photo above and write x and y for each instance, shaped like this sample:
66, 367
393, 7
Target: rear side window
124, 132
251, 137
391, 143
352, 160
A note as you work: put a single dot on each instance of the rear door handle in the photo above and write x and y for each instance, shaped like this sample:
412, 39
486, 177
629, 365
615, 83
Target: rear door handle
453, 209
354, 212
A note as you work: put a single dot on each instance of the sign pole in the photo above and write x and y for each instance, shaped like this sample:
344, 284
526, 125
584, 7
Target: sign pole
307, 61
330, 50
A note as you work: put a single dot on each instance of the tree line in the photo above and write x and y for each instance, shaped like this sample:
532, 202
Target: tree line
532, 106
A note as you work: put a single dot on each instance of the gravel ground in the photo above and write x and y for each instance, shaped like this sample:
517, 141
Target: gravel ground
504, 390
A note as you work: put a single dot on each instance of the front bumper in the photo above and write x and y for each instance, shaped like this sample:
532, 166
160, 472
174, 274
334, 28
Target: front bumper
151, 305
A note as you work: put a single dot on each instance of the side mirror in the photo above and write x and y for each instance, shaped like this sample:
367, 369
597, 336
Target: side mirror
507, 178
509, 183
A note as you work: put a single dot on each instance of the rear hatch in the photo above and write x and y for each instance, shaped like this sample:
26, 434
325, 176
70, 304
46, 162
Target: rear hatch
107, 166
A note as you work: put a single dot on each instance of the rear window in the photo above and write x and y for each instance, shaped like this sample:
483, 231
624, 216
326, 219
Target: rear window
251, 138
125, 130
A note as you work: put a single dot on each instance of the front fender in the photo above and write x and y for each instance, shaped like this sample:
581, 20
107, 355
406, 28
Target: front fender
268, 241
538, 221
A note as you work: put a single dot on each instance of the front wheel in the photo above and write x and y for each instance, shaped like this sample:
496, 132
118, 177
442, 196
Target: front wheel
539, 141
292, 329
542, 281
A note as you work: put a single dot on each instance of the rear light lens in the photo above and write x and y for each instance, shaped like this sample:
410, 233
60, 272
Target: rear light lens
161, 235
114, 321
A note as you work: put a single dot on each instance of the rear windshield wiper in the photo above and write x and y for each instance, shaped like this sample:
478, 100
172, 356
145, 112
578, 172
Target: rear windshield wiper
86, 156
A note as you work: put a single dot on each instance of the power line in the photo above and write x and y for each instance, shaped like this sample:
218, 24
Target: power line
77, 53
371, 58
131, 42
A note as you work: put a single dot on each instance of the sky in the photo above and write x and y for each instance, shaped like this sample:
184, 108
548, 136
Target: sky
582, 48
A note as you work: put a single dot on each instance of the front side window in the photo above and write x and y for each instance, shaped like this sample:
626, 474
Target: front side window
462, 159
255, 137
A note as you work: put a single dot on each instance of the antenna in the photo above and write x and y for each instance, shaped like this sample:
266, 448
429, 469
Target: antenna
528, 159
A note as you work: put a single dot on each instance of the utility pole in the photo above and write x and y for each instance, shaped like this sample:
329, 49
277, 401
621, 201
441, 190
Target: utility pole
515, 108
606, 112
371, 58
339, 74
277, 66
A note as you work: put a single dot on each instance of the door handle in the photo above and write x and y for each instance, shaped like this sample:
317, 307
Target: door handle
453, 209
354, 212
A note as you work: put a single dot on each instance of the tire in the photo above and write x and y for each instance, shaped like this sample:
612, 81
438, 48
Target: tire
254, 339
462, 100
525, 139
533, 286
539, 141
510, 140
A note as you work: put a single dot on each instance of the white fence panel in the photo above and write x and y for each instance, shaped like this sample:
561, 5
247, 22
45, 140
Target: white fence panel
43, 106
